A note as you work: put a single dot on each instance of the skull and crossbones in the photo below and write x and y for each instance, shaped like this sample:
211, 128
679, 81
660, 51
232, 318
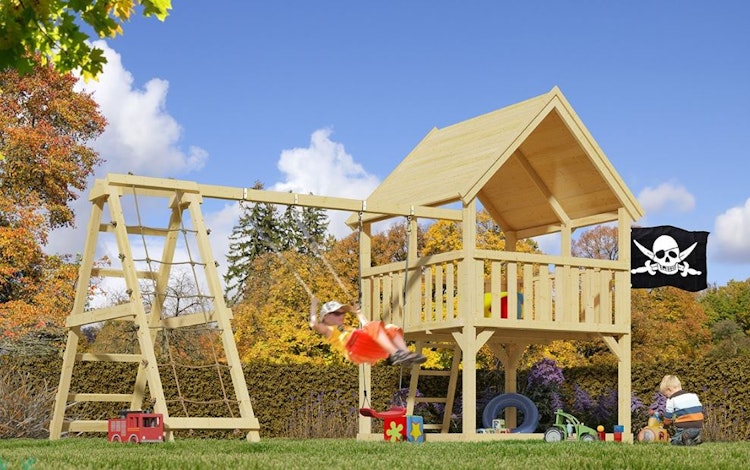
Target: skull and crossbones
665, 257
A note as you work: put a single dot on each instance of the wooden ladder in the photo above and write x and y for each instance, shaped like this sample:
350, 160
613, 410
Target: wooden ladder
450, 395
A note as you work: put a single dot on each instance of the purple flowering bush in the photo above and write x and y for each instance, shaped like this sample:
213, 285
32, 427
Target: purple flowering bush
543, 386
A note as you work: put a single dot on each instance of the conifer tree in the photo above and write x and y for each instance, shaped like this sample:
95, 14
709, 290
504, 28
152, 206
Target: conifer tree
254, 234
261, 229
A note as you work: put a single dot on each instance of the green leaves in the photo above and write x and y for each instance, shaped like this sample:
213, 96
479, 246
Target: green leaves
50, 29
158, 8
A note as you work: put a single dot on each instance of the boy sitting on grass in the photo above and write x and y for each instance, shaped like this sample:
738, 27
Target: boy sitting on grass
684, 409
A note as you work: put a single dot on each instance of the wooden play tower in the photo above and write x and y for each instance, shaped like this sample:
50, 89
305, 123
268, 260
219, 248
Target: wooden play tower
533, 166
537, 171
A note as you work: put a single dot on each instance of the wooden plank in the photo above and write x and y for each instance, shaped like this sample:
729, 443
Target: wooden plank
450, 289
100, 397
100, 314
439, 289
136, 230
194, 319
85, 426
588, 295
175, 423
543, 293
604, 314
430, 307
108, 272
513, 290
108, 357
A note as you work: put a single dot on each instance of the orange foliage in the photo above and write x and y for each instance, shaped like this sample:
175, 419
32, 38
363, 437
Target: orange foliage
668, 324
47, 307
45, 126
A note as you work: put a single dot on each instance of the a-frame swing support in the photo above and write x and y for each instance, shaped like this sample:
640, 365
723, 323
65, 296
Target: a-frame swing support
182, 196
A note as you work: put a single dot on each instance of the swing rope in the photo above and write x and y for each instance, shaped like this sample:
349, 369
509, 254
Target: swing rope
403, 292
363, 369
319, 254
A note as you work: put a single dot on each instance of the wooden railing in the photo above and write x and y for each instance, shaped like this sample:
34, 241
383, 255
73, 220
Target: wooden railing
510, 290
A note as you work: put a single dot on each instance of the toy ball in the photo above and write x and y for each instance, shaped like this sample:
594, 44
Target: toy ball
600, 428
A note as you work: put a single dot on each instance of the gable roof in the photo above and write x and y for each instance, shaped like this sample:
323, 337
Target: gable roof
533, 166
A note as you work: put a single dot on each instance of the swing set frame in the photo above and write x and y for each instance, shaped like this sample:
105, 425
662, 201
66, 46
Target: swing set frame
183, 197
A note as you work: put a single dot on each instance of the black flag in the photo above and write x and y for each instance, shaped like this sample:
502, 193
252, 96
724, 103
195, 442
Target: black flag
668, 256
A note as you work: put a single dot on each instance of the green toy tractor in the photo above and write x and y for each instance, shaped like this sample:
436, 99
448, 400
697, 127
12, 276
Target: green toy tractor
566, 426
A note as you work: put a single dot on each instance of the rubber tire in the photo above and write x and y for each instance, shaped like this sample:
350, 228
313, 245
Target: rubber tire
554, 435
512, 400
588, 438
133, 439
116, 438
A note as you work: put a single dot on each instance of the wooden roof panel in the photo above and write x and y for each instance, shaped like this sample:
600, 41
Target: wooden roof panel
515, 160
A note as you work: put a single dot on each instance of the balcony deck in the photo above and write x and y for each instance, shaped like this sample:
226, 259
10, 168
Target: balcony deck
553, 297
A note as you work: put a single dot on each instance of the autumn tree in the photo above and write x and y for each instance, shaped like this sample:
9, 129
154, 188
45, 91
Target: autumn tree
51, 29
668, 324
729, 302
599, 242
271, 320
45, 127
444, 236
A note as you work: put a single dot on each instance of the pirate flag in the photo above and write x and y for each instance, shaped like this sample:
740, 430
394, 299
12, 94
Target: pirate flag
668, 256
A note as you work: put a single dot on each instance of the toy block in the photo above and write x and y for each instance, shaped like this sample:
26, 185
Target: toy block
414, 429
394, 428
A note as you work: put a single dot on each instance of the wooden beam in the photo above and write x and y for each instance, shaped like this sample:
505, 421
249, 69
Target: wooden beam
108, 357
100, 314
100, 397
166, 187
539, 183
192, 320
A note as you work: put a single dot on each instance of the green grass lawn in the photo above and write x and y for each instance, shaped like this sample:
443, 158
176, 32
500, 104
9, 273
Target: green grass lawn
95, 453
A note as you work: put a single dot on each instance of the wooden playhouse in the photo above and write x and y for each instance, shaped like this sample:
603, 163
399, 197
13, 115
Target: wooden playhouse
537, 170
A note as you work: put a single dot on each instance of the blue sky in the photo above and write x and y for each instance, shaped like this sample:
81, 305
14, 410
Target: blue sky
329, 96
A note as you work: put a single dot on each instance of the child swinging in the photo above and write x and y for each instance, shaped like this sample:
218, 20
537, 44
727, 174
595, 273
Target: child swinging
370, 343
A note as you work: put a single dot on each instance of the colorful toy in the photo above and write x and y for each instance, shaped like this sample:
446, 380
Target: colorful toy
568, 426
136, 426
654, 431
397, 425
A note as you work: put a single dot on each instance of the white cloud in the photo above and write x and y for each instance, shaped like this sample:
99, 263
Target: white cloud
666, 197
731, 237
325, 169
141, 136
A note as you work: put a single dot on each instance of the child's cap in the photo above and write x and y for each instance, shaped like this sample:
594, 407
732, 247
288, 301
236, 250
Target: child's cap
333, 306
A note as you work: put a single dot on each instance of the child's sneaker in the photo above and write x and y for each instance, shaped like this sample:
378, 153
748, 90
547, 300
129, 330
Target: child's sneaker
416, 358
399, 357
690, 438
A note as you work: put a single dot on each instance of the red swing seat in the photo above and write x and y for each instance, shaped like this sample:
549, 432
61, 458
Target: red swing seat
393, 412
362, 349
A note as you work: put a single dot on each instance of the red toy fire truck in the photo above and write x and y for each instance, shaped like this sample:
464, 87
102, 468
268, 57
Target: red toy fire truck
136, 426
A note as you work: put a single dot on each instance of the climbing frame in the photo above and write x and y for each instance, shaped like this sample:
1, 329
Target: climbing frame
184, 246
